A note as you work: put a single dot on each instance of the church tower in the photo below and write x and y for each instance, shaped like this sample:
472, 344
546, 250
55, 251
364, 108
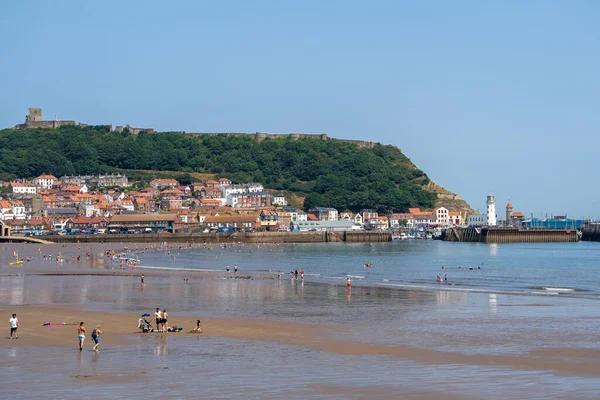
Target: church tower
491, 211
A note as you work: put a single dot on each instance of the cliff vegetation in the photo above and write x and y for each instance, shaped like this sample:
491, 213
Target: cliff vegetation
326, 173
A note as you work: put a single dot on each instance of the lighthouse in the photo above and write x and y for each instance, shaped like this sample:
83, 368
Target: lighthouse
491, 211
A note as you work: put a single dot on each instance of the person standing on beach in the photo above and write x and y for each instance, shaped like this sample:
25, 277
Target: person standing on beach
96, 336
165, 317
235, 269
296, 274
142, 279
227, 268
14, 324
81, 335
158, 318
302, 274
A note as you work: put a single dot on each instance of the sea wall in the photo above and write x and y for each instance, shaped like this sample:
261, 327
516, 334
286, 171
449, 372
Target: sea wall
509, 235
232, 237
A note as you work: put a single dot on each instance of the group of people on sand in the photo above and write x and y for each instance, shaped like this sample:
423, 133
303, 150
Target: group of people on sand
235, 269
161, 318
96, 332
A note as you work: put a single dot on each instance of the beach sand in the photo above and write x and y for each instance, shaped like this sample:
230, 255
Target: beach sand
118, 329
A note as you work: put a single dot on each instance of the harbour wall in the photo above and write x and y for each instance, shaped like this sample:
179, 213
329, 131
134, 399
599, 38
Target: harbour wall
509, 235
231, 237
590, 235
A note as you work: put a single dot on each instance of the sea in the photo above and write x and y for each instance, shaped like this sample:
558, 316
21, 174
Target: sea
571, 269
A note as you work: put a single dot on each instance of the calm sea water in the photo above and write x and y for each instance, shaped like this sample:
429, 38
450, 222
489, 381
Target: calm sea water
546, 268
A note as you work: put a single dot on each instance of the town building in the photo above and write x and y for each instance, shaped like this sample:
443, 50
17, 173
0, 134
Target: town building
45, 181
246, 200
325, 213
106, 180
23, 187
142, 222
279, 200
323, 225
235, 222
164, 183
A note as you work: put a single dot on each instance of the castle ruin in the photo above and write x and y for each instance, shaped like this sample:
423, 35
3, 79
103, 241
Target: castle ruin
34, 120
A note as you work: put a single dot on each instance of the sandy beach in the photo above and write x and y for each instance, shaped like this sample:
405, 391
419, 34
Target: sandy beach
118, 329
365, 343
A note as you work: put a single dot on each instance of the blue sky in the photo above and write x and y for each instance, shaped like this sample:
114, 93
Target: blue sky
498, 97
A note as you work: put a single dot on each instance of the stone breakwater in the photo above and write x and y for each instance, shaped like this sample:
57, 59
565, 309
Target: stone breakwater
231, 237
509, 235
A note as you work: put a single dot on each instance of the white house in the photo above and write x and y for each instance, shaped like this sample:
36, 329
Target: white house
302, 216
27, 187
45, 181
18, 209
279, 200
441, 216
358, 219
476, 220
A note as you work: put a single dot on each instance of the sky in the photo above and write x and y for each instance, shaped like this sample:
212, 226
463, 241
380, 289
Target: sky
485, 97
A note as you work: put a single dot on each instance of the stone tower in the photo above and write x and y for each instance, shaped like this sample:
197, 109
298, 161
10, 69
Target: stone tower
509, 212
491, 211
35, 114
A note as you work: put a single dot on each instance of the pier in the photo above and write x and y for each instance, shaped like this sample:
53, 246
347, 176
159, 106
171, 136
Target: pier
22, 239
590, 232
509, 235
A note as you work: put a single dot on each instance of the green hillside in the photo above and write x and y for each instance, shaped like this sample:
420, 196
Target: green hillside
326, 173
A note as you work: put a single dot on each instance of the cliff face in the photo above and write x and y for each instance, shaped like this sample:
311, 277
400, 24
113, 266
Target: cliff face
449, 200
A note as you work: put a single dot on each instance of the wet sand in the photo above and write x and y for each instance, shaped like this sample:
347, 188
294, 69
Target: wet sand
119, 327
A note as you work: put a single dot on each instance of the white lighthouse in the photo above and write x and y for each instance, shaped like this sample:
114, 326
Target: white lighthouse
491, 211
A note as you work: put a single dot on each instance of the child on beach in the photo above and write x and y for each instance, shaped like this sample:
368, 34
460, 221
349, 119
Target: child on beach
81, 335
96, 336
198, 327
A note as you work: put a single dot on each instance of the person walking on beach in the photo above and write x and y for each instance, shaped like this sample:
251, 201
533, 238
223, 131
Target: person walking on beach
81, 335
348, 284
227, 268
296, 274
14, 324
235, 269
158, 318
302, 274
96, 336
142, 279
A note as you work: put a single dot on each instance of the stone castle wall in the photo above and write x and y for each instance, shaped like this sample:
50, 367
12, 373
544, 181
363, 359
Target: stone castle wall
45, 124
260, 136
